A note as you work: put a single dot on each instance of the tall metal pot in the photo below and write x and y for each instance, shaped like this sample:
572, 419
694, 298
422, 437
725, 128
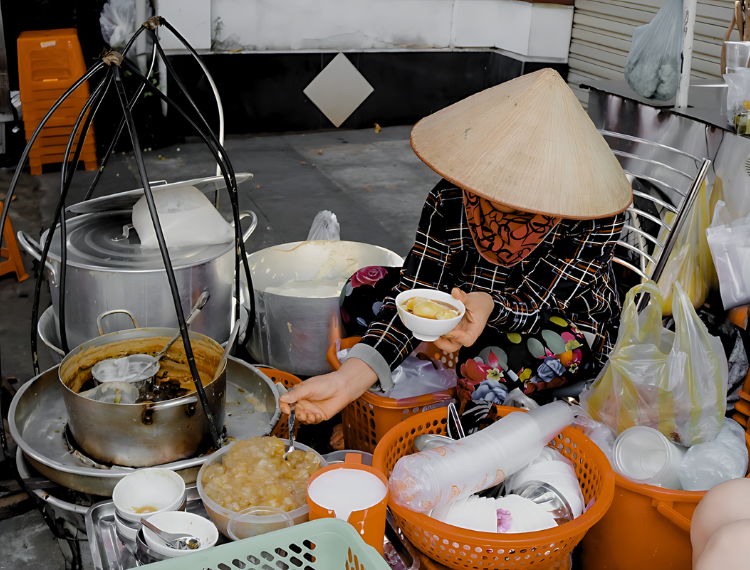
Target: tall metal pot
141, 435
108, 269
293, 332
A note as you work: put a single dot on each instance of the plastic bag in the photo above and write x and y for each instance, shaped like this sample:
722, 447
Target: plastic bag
680, 390
707, 464
597, 432
187, 219
738, 98
729, 241
653, 66
690, 261
416, 377
518, 399
117, 21
325, 226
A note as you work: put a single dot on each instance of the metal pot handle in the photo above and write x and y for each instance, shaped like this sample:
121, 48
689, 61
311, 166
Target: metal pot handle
253, 224
100, 317
148, 414
34, 250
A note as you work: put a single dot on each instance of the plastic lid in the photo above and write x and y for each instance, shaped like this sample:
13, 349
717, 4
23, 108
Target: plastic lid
258, 520
98, 241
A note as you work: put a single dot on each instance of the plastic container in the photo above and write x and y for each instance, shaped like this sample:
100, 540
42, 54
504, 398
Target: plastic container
368, 518
656, 523
221, 516
288, 381
460, 549
319, 545
254, 521
370, 417
738, 54
643, 455
162, 489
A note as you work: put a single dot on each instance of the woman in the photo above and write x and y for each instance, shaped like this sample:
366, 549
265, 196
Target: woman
521, 230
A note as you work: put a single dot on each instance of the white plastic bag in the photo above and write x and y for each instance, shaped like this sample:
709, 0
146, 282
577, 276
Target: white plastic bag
187, 219
729, 241
679, 390
517, 399
325, 226
707, 464
117, 21
653, 66
597, 432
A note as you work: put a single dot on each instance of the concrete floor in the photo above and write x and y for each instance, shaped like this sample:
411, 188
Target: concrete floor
372, 181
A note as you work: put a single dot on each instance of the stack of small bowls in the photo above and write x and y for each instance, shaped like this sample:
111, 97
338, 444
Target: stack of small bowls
157, 495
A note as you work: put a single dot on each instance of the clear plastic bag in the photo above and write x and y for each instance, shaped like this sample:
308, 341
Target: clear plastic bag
597, 432
325, 226
738, 98
680, 390
707, 464
729, 241
117, 21
187, 219
653, 66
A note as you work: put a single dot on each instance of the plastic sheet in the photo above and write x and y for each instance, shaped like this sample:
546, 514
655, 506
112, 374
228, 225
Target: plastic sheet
325, 226
187, 219
679, 390
707, 464
653, 66
729, 241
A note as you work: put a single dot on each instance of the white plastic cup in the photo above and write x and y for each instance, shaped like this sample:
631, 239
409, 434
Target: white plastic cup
552, 419
738, 54
643, 455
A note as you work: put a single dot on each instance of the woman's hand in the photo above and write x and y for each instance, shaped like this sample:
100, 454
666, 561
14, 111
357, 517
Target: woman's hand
479, 306
322, 397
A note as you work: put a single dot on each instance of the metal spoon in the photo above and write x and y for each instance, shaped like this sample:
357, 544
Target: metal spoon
178, 541
227, 348
191, 317
292, 418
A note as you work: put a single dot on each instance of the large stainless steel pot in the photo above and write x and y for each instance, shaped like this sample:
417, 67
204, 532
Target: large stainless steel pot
293, 333
108, 269
140, 435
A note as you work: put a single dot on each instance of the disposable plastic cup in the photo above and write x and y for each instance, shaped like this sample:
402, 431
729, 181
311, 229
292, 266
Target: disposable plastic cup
738, 54
254, 521
643, 455
552, 419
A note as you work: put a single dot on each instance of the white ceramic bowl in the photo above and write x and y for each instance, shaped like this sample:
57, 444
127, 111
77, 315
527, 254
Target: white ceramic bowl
221, 516
125, 530
429, 329
178, 521
162, 489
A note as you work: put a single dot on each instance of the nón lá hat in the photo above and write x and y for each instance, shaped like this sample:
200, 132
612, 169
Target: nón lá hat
527, 144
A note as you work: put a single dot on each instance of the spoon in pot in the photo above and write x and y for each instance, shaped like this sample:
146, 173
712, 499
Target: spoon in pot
202, 300
292, 418
227, 348
178, 541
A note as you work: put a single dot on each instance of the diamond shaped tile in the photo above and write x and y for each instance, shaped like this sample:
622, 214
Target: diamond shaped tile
338, 90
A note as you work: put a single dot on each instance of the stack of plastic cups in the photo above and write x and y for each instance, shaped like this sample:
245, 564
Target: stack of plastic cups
738, 54
432, 478
643, 455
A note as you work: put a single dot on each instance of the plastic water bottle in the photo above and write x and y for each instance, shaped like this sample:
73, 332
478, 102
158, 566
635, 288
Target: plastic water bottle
432, 478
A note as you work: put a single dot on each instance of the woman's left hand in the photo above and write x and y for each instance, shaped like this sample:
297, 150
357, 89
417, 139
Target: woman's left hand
479, 306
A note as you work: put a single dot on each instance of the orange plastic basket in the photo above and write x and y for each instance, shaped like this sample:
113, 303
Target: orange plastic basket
459, 548
370, 417
288, 381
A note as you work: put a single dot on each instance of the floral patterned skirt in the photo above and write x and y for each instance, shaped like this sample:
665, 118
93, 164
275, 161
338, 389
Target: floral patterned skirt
498, 362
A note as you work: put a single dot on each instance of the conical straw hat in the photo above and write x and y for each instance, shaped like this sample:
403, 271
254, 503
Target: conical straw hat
527, 144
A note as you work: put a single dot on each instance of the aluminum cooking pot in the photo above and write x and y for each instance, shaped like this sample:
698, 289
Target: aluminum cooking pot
145, 434
108, 269
294, 328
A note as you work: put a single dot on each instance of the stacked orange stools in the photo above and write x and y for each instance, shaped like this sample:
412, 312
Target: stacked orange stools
14, 263
49, 63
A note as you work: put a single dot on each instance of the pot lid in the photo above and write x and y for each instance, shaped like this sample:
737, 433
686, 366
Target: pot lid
126, 200
107, 240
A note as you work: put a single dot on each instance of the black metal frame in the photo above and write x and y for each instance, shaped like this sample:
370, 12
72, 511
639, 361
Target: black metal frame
111, 62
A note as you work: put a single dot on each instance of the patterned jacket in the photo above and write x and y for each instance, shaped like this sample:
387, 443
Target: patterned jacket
568, 274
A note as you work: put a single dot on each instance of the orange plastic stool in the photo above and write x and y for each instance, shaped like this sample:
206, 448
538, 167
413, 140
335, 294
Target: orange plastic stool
369, 522
14, 263
288, 381
370, 417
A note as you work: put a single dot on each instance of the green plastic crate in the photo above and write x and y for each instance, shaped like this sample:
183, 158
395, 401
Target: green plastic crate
324, 544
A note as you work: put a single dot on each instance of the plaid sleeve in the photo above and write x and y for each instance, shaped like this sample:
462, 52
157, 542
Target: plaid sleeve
426, 266
574, 278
